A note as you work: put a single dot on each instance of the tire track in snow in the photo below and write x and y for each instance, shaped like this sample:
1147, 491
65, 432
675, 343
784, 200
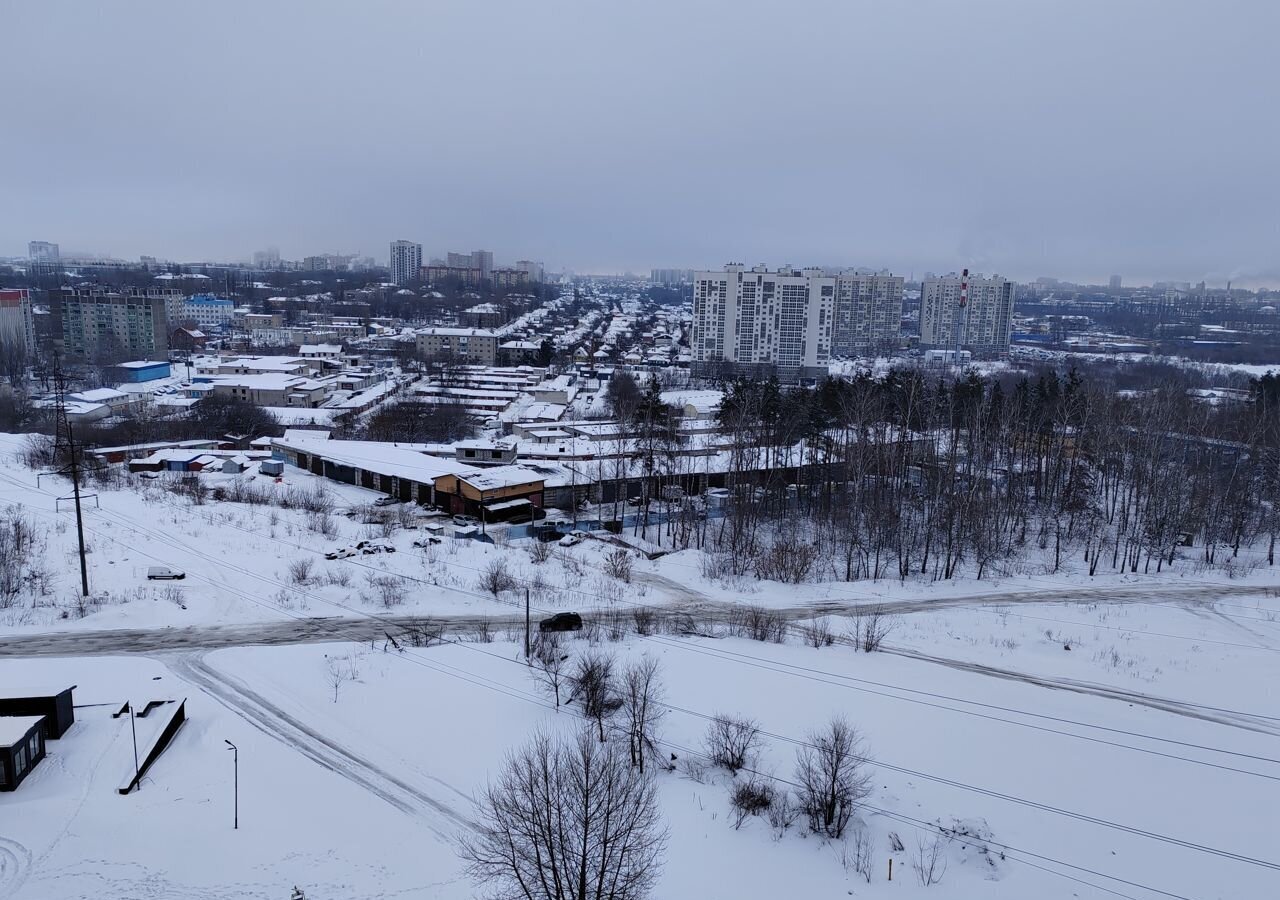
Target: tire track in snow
15, 865
299, 736
1164, 704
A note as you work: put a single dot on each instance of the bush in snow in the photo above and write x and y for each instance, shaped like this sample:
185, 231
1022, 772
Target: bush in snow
732, 742
832, 771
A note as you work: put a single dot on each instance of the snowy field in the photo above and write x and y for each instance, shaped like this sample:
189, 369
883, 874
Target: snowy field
1074, 737
362, 796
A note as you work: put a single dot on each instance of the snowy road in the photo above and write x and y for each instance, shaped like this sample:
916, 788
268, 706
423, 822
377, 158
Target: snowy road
312, 629
440, 817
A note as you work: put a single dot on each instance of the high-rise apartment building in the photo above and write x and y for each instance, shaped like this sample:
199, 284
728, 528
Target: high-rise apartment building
266, 259
17, 327
757, 318
531, 268
984, 322
406, 260
868, 312
43, 251
129, 323
476, 259
1116, 281
670, 277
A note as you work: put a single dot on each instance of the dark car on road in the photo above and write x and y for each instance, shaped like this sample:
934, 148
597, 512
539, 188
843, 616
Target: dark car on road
566, 621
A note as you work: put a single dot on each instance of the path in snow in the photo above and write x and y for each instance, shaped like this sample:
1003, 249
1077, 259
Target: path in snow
299, 736
1215, 714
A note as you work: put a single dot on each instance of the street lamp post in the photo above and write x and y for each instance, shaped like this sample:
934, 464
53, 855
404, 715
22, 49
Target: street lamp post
235, 761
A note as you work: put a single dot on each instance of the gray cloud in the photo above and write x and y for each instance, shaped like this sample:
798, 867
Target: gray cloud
1068, 138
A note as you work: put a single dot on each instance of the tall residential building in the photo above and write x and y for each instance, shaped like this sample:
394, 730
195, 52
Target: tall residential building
531, 268
200, 310
130, 323
751, 318
985, 325
17, 327
266, 259
406, 260
43, 251
868, 312
476, 259
1115, 282
670, 277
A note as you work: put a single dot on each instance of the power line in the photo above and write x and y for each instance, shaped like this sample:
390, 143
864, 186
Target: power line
949, 782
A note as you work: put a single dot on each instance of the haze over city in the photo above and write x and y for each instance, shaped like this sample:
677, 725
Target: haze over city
1067, 139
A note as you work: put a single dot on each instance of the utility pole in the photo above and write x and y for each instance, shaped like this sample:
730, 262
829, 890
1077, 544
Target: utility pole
527, 653
235, 762
63, 428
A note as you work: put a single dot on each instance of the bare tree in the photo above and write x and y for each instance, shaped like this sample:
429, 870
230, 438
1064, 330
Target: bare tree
567, 820
856, 854
618, 565
549, 661
336, 672
929, 861
593, 686
495, 579
831, 768
732, 742
540, 552
871, 628
642, 694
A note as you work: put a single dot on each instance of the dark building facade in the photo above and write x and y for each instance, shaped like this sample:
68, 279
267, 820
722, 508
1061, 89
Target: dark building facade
21, 747
94, 322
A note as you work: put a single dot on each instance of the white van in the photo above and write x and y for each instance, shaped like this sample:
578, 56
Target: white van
163, 573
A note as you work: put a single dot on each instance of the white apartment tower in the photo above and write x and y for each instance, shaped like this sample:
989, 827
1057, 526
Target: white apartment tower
406, 260
985, 323
750, 318
868, 312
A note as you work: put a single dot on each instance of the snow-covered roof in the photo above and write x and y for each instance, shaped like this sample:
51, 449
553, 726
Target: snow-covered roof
702, 401
142, 364
98, 395
399, 460
500, 477
14, 728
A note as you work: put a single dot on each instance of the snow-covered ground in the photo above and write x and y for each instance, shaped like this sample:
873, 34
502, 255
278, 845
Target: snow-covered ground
1089, 737
362, 796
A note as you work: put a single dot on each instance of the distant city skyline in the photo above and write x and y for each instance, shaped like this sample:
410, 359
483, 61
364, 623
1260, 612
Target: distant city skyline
1011, 138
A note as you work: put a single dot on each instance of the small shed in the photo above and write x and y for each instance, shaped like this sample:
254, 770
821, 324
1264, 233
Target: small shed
54, 705
235, 465
21, 747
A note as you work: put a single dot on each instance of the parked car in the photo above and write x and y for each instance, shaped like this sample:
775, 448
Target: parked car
565, 621
341, 553
164, 573
464, 520
386, 501
569, 540
426, 541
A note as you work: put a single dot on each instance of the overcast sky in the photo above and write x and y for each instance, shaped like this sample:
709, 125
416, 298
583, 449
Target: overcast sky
1026, 137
